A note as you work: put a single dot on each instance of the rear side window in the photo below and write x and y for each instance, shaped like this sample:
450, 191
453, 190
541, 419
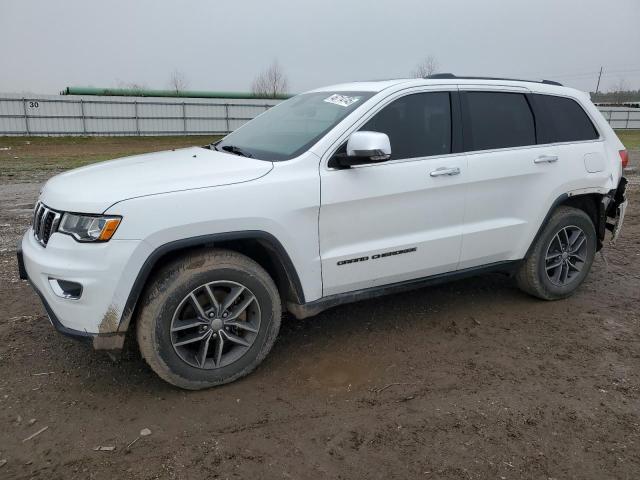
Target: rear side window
498, 120
561, 119
418, 125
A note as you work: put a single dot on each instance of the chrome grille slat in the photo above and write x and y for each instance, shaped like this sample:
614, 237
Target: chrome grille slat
45, 223
37, 218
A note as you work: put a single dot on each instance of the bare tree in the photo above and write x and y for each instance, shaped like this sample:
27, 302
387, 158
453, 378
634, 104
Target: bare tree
428, 66
178, 81
271, 82
135, 86
619, 90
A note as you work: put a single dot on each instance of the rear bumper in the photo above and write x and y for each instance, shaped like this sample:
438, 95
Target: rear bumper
616, 210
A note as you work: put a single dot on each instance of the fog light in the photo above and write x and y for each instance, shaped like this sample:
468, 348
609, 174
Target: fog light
66, 289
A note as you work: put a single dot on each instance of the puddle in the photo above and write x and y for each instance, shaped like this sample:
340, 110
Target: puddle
336, 372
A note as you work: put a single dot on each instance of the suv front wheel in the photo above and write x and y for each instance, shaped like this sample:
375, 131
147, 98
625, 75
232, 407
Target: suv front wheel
208, 319
561, 256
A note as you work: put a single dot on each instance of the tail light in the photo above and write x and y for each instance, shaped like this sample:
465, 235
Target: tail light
624, 158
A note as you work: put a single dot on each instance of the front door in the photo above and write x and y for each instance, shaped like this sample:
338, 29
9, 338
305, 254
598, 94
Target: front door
401, 219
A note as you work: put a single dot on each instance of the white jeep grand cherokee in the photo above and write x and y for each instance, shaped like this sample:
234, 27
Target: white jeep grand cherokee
333, 196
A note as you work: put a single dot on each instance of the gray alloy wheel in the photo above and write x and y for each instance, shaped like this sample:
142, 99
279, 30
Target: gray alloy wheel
215, 324
566, 255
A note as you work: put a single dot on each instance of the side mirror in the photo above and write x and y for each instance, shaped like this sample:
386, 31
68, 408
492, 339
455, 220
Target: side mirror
363, 148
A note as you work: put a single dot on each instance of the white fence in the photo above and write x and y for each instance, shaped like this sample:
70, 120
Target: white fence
622, 118
52, 115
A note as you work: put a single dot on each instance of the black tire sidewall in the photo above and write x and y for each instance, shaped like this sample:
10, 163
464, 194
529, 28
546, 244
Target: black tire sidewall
178, 290
580, 220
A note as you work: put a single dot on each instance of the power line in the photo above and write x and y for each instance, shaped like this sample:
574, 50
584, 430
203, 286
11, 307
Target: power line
606, 72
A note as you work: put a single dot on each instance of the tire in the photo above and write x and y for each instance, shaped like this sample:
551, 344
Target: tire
169, 310
537, 276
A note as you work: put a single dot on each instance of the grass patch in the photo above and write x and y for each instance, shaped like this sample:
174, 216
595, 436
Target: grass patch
37, 158
630, 138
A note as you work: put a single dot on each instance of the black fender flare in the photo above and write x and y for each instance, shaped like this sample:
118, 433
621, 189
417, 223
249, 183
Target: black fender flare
599, 221
556, 203
265, 238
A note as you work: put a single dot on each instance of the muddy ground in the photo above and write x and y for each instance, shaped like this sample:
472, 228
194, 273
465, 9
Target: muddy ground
470, 380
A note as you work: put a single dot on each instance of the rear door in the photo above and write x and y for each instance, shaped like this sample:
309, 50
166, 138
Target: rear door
401, 219
511, 178
563, 121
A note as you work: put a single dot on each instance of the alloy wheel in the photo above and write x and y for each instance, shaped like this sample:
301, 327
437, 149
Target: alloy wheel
566, 255
215, 324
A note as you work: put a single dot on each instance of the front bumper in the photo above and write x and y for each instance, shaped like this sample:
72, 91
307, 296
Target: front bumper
59, 326
105, 271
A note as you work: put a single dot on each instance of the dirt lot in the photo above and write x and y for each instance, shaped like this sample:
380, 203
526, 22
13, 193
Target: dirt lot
471, 380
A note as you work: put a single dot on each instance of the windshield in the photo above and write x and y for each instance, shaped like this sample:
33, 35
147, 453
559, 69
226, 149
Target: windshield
292, 127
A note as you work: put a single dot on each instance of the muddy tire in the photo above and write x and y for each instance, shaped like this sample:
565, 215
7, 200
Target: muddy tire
208, 318
561, 256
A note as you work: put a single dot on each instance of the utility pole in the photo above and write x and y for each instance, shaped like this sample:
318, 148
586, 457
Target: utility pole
599, 77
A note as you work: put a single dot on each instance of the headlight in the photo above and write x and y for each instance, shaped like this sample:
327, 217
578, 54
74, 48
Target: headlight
89, 228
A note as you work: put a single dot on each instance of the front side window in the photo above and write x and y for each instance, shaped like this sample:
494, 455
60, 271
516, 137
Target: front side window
498, 120
418, 125
292, 127
562, 119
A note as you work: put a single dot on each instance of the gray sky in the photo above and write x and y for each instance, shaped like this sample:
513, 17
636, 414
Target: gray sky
46, 45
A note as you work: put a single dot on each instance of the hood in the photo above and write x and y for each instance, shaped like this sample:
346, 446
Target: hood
94, 188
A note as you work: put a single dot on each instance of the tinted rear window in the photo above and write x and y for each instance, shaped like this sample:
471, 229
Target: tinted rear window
562, 119
499, 120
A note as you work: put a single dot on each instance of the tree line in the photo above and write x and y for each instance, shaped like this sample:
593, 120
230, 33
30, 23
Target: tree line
272, 82
616, 97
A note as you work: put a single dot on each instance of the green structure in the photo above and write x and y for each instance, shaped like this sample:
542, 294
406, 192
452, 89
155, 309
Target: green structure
138, 92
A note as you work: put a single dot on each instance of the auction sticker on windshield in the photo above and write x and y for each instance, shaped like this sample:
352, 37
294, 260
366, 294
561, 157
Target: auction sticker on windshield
342, 100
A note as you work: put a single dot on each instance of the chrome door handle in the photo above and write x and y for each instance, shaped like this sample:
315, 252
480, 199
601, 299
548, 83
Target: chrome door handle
442, 171
546, 159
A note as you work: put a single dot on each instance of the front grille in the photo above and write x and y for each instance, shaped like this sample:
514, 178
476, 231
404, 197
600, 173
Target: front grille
45, 222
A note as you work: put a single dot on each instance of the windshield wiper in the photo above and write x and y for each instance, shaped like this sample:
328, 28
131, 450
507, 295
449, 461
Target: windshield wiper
236, 151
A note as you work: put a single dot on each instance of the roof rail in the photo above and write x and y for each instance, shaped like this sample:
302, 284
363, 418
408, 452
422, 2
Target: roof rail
452, 76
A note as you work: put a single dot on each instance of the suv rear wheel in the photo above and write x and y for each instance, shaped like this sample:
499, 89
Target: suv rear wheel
208, 319
561, 257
